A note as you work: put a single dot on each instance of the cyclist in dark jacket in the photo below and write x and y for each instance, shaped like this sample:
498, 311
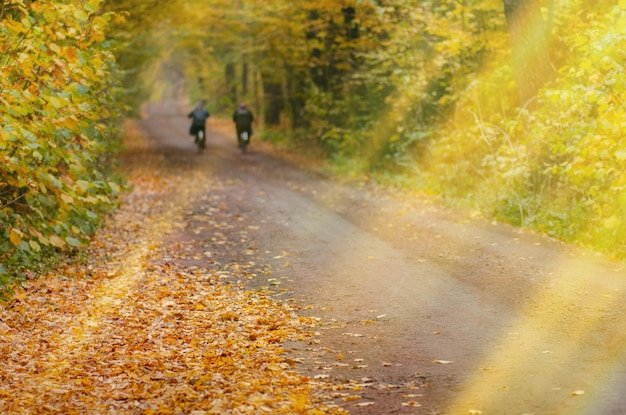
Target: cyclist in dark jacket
243, 121
199, 116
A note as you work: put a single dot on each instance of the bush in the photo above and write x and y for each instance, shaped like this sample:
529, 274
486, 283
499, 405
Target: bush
59, 111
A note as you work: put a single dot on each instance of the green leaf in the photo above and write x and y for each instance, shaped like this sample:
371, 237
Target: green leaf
92, 5
81, 15
73, 241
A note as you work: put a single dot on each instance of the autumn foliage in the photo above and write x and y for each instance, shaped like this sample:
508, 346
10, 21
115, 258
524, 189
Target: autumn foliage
59, 109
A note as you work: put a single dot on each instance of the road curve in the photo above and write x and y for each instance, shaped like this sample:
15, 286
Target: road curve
426, 310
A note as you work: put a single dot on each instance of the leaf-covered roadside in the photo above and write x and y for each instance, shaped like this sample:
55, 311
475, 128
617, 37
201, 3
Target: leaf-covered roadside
133, 331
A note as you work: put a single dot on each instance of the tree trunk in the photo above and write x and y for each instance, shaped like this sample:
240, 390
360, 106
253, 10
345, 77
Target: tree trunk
273, 102
230, 81
295, 98
530, 35
244, 79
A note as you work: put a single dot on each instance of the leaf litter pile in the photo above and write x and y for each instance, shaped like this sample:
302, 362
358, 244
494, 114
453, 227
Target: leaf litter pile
132, 330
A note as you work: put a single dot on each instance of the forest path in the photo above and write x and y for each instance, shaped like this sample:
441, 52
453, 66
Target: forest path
422, 309
426, 310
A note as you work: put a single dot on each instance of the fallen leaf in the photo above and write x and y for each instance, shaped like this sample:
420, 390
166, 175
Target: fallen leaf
274, 367
351, 398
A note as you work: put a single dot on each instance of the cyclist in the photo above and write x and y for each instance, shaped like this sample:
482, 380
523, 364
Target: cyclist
199, 116
243, 122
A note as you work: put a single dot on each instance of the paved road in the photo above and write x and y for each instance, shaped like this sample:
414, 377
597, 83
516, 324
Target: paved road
425, 310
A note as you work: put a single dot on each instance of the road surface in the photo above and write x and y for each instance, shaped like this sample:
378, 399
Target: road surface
424, 310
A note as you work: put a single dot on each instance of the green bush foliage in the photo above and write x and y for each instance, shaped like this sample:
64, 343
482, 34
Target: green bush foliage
59, 109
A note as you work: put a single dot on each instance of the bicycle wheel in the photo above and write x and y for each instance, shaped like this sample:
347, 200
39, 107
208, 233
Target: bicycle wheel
244, 142
201, 140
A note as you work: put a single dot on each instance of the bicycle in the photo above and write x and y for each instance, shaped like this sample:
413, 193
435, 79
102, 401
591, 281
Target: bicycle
244, 142
200, 140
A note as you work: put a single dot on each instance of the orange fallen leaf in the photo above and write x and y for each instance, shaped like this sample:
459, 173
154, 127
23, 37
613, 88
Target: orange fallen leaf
351, 398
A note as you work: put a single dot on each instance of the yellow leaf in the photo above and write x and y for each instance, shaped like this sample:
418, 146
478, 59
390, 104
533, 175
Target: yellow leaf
611, 222
199, 307
67, 198
15, 236
34, 246
70, 54
56, 241
56, 102
274, 367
